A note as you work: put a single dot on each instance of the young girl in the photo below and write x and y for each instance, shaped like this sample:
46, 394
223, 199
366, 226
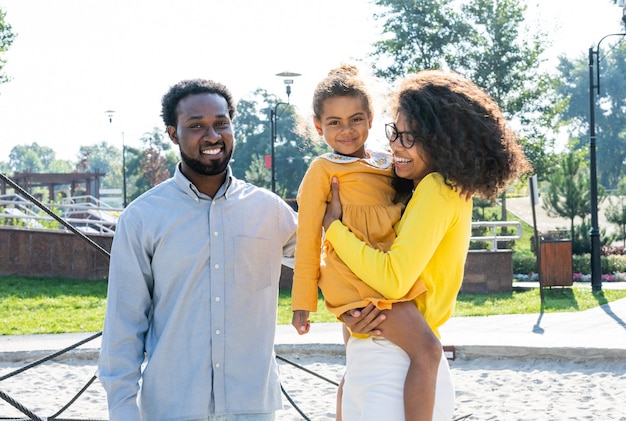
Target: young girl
343, 116
449, 135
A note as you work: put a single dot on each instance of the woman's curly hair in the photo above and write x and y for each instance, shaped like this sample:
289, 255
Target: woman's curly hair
184, 88
462, 130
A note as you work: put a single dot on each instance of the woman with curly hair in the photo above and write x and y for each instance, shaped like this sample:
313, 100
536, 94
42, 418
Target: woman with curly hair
449, 136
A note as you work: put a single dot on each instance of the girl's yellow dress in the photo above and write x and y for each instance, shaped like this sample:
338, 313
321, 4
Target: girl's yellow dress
369, 212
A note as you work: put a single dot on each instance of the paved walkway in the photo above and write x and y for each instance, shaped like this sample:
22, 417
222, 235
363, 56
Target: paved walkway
595, 333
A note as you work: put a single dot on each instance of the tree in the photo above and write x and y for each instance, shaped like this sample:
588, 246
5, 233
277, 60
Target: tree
418, 34
568, 191
487, 42
293, 149
610, 111
155, 165
6, 39
616, 212
103, 158
257, 174
31, 158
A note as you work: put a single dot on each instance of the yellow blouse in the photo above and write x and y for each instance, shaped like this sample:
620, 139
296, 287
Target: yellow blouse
431, 244
369, 211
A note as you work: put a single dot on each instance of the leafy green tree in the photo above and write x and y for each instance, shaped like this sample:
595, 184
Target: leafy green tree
257, 174
293, 149
104, 158
616, 212
417, 35
156, 164
6, 39
486, 41
610, 109
31, 158
60, 166
568, 191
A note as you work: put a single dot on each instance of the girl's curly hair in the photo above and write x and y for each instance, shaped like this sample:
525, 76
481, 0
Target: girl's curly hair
341, 81
463, 131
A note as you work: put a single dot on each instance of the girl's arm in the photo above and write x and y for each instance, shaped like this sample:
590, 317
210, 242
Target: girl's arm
312, 196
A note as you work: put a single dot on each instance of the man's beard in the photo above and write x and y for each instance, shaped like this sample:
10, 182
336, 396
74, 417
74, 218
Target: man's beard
214, 168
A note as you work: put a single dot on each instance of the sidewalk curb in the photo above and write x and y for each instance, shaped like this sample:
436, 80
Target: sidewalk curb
463, 352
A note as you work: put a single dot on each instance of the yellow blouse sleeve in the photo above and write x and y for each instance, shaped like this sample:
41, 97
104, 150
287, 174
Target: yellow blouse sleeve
312, 196
429, 214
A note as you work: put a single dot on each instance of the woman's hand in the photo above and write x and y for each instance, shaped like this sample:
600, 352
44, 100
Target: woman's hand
333, 209
366, 320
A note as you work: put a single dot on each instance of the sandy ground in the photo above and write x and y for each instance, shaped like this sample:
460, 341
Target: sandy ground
504, 389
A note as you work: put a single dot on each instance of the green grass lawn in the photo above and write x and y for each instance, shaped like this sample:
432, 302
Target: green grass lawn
46, 305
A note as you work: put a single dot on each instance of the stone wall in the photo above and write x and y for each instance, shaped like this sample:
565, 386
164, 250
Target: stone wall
488, 271
54, 254
485, 272
61, 254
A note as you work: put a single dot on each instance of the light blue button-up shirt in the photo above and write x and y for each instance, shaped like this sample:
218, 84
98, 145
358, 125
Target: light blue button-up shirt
193, 286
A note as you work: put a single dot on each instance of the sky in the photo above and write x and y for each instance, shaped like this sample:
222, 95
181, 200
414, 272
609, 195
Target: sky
73, 60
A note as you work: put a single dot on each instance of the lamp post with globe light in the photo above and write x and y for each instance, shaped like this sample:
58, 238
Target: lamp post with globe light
124, 197
273, 116
594, 85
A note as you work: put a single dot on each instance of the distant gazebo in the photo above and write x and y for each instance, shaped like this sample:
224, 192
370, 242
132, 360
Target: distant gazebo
53, 181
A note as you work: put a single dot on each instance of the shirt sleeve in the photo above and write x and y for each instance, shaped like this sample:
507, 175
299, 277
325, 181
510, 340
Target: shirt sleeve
427, 217
312, 196
126, 323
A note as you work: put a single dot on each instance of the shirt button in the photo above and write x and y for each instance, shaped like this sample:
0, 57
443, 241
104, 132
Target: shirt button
216, 266
215, 233
217, 365
217, 332
217, 298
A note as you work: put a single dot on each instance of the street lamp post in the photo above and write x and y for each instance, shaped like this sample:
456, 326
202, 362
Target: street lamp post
594, 232
273, 117
124, 200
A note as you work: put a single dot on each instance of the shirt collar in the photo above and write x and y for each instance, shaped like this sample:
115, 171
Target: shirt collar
376, 159
192, 191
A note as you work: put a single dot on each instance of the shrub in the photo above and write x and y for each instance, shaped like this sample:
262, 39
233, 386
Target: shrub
608, 264
615, 263
581, 263
524, 263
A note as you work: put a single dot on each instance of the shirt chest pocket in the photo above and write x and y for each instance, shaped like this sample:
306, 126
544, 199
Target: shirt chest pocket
253, 263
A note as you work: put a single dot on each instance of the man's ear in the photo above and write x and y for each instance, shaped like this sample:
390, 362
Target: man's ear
171, 131
318, 126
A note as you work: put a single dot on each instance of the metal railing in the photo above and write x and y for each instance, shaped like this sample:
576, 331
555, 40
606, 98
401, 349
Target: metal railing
492, 235
85, 213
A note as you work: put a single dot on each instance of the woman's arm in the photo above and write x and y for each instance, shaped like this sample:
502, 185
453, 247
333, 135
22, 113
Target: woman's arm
427, 218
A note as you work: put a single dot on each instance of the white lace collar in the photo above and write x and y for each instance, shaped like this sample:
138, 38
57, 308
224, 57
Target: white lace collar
376, 159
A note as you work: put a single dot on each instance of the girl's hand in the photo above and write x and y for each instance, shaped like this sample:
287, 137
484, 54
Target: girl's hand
300, 320
333, 209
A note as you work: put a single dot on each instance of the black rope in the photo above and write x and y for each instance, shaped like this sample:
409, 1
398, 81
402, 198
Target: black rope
52, 214
19, 407
51, 356
306, 369
34, 417
296, 407
60, 411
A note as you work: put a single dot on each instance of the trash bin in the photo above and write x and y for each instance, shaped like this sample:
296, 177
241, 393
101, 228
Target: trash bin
556, 265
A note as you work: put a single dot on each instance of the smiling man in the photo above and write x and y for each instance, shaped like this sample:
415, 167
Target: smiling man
195, 264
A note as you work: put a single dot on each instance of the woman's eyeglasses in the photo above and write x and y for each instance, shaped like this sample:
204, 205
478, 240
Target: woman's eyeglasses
407, 139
